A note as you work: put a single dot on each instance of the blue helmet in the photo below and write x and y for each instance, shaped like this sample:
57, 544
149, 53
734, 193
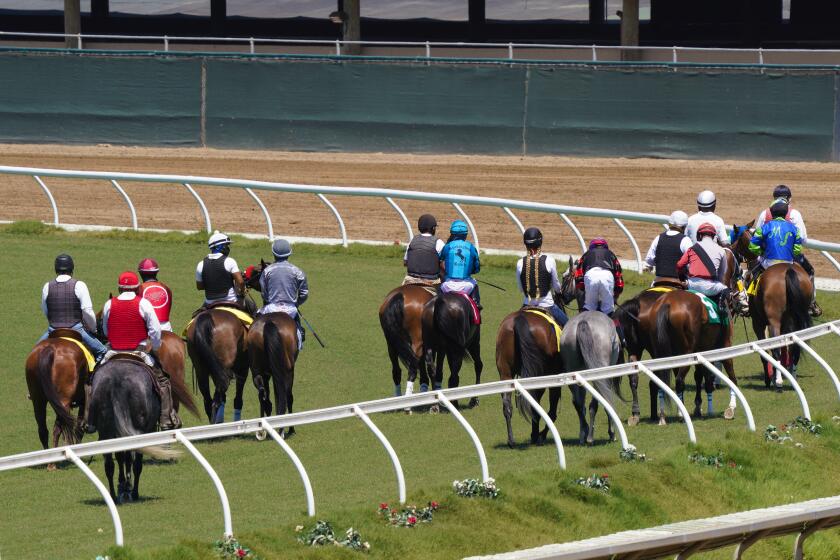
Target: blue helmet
458, 226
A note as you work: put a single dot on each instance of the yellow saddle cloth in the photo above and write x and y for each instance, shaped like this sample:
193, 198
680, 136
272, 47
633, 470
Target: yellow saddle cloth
661, 289
558, 330
88, 356
238, 313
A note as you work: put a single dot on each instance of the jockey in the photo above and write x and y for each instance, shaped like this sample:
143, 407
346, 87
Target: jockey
598, 275
782, 192
536, 277
706, 203
128, 320
422, 256
66, 303
158, 293
778, 240
459, 261
218, 275
283, 285
667, 248
704, 264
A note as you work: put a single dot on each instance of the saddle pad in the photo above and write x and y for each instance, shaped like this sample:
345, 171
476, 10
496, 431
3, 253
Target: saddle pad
91, 363
476, 316
753, 289
714, 313
239, 314
662, 289
558, 330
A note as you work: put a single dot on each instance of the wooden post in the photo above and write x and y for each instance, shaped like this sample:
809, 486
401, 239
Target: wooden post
630, 29
597, 12
72, 22
351, 29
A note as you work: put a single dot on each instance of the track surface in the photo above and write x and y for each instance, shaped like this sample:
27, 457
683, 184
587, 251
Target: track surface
648, 185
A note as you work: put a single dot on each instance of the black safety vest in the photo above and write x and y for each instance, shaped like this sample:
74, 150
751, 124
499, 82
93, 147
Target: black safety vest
217, 281
63, 307
600, 257
668, 254
535, 278
422, 259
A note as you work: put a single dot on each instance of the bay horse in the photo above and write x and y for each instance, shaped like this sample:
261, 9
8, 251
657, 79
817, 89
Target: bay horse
272, 352
56, 370
400, 318
218, 347
527, 346
780, 306
449, 332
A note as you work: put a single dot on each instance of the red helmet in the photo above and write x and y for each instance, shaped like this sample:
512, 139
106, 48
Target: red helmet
148, 265
128, 281
598, 241
706, 229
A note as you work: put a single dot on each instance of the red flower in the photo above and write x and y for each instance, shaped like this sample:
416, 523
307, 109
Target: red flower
605, 475
241, 553
434, 505
412, 520
383, 505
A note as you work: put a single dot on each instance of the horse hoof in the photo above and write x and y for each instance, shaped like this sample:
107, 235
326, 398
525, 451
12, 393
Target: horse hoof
261, 435
729, 413
511, 443
408, 411
633, 420
51, 467
590, 442
662, 421
473, 402
434, 409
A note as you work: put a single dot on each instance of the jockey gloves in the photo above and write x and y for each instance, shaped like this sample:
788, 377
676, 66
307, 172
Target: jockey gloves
678, 218
532, 238
281, 248
218, 240
148, 265
781, 191
706, 200
458, 227
128, 281
426, 223
64, 264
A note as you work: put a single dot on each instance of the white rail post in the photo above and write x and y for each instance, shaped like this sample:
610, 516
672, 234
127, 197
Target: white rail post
813, 353
403, 216
106, 495
264, 211
52, 200
594, 53
561, 454
428, 50
334, 210
387, 445
251, 45
485, 472
337, 48
834, 329
469, 223
127, 201
510, 51
201, 205
514, 218
632, 242
307, 485
732, 387
806, 412
213, 476
616, 419
79, 41
683, 410
831, 259
575, 230
674, 54
166, 43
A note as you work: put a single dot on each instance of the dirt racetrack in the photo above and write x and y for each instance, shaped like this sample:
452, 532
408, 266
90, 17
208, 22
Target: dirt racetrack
648, 185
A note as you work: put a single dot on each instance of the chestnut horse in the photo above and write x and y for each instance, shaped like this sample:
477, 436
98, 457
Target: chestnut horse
272, 352
400, 317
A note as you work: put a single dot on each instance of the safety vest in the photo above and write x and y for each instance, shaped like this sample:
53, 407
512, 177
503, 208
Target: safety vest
63, 307
600, 257
216, 279
535, 278
422, 258
160, 296
668, 254
126, 327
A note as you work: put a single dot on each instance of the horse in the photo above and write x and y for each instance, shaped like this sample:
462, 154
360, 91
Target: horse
56, 370
124, 402
218, 347
272, 352
780, 306
449, 332
400, 317
527, 346
589, 340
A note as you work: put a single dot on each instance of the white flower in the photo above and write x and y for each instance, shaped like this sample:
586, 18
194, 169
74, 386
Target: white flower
298, 528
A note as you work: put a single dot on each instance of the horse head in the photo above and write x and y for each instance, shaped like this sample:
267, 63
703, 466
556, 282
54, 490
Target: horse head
739, 241
253, 274
568, 292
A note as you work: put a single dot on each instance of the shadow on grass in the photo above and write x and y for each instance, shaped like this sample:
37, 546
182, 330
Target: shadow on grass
99, 502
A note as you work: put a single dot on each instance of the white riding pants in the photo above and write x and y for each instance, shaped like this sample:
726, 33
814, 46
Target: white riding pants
598, 287
464, 286
707, 287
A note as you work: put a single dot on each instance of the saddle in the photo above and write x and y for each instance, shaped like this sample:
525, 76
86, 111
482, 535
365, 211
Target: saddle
136, 356
558, 330
476, 314
236, 310
75, 337
668, 282
66, 333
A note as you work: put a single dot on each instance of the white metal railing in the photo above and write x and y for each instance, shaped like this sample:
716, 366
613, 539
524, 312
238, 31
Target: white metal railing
363, 410
595, 53
389, 195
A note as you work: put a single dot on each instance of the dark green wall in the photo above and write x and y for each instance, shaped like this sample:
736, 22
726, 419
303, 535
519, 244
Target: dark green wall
405, 107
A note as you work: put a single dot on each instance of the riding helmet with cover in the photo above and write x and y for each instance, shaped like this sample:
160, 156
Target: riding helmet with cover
218, 239
128, 281
532, 238
426, 223
779, 208
678, 218
458, 227
706, 200
64, 264
781, 191
598, 242
281, 248
706, 229
148, 265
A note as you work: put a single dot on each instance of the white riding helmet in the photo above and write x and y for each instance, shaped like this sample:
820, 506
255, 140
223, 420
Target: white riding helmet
706, 199
218, 239
678, 218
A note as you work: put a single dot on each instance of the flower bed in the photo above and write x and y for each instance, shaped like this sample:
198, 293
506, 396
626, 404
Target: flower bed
408, 517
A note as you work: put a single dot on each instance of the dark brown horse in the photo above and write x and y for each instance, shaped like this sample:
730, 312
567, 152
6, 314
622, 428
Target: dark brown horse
527, 346
780, 306
273, 350
400, 317
218, 347
172, 356
56, 370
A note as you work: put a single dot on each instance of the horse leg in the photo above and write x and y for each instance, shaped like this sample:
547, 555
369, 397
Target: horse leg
535, 418
109, 473
635, 410
593, 410
698, 387
263, 394
40, 407
203, 381
553, 400
775, 329
434, 363
456, 360
138, 468
579, 402
507, 412
396, 372
654, 398
241, 375
123, 494
729, 413
290, 399
475, 353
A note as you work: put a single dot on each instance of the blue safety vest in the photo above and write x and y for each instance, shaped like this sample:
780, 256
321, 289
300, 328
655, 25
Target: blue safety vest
460, 258
777, 240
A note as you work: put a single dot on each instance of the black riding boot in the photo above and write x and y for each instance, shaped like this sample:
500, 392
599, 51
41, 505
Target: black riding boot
618, 329
300, 329
476, 297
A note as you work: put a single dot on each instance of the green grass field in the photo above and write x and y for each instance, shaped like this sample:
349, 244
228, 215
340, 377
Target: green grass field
60, 515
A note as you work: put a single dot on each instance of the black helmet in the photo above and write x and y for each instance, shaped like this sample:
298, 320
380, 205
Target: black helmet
782, 191
532, 238
426, 223
64, 264
779, 209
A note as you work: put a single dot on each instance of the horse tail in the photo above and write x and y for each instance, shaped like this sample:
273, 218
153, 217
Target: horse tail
124, 426
182, 394
587, 349
797, 304
396, 336
448, 325
203, 341
64, 419
275, 354
663, 328
531, 357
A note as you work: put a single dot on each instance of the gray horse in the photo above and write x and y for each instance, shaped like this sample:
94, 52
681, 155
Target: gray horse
589, 341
